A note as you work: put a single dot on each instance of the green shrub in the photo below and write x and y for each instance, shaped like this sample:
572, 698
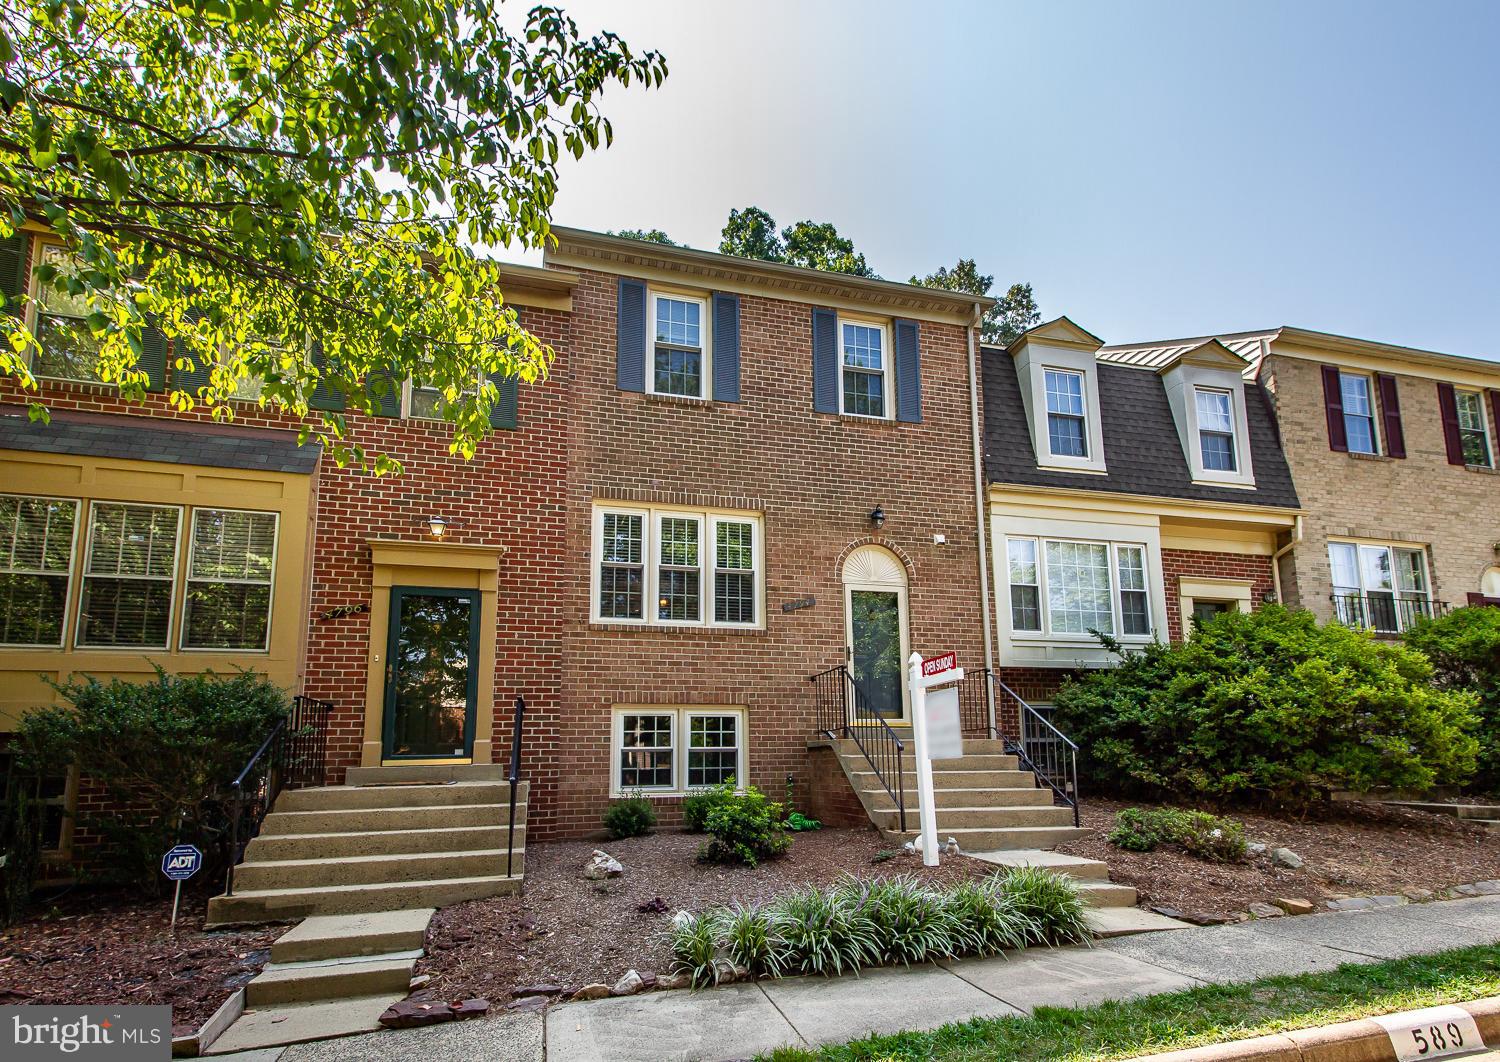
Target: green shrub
1210, 837
696, 806
1464, 647
632, 817
163, 752
745, 828
1049, 905
1268, 706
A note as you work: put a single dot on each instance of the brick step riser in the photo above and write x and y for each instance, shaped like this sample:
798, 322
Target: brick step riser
997, 840
332, 982
969, 798
981, 818
348, 798
269, 848
228, 910
280, 823
415, 867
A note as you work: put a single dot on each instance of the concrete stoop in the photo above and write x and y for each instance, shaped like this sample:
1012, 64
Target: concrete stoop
1487, 815
393, 838
333, 975
984, 800
1113, 912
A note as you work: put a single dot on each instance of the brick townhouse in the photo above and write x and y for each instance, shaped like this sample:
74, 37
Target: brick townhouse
1394, 454
1127, 495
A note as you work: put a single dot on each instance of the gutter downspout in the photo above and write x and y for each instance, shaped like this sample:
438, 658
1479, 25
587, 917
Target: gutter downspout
1282, 552
979, 519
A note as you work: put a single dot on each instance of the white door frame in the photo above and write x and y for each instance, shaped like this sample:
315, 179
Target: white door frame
890, 586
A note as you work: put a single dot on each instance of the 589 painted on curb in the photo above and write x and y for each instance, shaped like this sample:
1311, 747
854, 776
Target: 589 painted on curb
1436, 1032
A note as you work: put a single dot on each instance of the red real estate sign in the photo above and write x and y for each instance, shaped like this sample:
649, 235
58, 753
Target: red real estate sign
936, 665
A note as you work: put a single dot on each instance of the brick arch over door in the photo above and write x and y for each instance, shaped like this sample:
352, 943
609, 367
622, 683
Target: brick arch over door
858, 545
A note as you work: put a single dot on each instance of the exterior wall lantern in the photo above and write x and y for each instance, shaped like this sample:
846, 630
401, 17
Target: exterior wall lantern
877, 518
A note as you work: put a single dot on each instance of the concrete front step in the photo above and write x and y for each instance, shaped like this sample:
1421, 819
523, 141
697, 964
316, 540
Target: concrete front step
946, 779
329, 980
408, 773
295, 1023
380, 842
364, 820
970, 761
1109, 922
985, 840
1101, 894
1079, 868
1462, 811
880, 800
283, 905
345, 797
339, 936
952, 819
372, 869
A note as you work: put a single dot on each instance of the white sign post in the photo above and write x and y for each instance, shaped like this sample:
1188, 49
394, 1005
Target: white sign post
924, 674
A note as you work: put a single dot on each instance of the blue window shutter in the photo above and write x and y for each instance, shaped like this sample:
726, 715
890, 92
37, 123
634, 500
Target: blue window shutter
908, 371
825, 361
630, 337
325, 395
503, 412
726, 347
153, 359
13, 272
189, 380
385, 392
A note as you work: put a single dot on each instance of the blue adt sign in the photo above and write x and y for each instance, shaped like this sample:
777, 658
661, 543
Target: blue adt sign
181, 862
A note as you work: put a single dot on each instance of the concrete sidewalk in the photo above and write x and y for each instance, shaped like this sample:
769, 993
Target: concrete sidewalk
742, 1020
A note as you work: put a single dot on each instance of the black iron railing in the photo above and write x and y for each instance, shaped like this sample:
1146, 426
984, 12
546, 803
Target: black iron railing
974, 702
1384, 613
514, 776
293, 756
845, 710
1043, 749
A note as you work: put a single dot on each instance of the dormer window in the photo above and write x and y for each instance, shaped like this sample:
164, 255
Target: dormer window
1067, 426
863, 363
1215, 429
677, 345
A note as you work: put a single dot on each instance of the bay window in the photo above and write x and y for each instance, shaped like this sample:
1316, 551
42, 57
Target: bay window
1068, 588
696, 568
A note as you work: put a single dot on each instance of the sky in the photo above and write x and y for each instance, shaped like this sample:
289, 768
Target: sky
1154, 170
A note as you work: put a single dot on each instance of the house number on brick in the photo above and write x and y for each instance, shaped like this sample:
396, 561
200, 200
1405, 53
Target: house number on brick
801, 602
340, 611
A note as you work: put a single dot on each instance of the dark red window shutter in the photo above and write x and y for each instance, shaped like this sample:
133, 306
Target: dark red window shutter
1390, 412
1333, 404
1448, 406
1494, 416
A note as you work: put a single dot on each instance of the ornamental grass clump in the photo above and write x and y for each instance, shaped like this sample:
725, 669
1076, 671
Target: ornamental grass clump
910, 922
696, 948
1050, 905
824, 933
985, 920
753, 940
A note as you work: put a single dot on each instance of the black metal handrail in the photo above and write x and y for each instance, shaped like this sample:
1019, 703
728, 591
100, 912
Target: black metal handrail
843, 708
514, 776
974, 702
1042, 749
293, 756
1384, 613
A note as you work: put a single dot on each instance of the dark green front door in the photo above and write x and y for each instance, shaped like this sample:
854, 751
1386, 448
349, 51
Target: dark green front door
875, 629
431, 674
1203, 611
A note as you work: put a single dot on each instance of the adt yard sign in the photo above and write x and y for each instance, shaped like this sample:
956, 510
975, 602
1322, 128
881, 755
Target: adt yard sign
181, 862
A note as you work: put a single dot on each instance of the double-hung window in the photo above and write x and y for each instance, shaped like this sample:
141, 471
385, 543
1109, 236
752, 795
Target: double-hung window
1069, 588
1067, 426
676, 750
36, 567
1216, 441
677, 366
68, 349
694, 568
129, 576
1359, 413
862, 360
229, 579
1473, 429
1383, 588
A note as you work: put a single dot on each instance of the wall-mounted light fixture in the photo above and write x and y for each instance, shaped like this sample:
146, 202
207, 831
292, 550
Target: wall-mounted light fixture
437, 526
877, 518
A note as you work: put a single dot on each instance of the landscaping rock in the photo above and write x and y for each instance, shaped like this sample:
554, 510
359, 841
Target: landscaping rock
602, 865
528, 1004
1255, 849
419, 981
471, 1008
1294, 905
536, 990
1266, 910
649, 981
1487, 888
1416, 895
673, 980
1169, 912
1285, 857
628, 985
1203, 918
410, 1015
593, 991
1365, 903
738, 973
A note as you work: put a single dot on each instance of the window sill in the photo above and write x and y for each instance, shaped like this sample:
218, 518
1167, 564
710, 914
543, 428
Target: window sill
1483, 470
1370, 457
869, 422
678, 400
695, 629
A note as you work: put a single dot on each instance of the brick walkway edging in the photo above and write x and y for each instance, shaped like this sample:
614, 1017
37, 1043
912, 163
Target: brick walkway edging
1350, 1041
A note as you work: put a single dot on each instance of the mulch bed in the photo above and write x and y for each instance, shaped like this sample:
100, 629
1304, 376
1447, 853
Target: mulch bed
88, 947
568, 931
1348, 849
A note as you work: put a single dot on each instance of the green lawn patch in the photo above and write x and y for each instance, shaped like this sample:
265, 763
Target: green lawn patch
1211, 1014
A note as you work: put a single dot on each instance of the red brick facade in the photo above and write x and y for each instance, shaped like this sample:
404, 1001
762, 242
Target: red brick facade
1178, 564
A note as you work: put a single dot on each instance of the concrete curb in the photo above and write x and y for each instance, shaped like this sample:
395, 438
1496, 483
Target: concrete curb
1350, 1041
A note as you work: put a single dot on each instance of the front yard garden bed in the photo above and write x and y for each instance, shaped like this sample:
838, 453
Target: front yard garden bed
1347, 849
569, 931
88, 947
